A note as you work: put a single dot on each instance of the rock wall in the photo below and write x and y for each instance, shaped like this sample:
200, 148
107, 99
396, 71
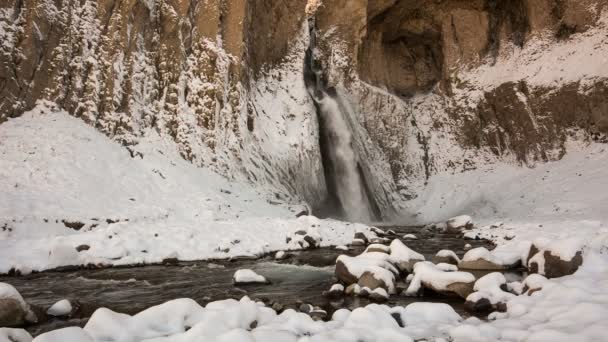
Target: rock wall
434, 86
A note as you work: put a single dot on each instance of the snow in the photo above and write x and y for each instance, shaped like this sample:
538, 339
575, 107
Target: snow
61, 308
410, 237
183, 320
446, 267
14, 335
135, 210
488, 287
565, 249
247, 276
401, 253
502, 255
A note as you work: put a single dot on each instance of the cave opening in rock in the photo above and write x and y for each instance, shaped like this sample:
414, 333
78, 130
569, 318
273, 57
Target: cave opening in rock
348, 194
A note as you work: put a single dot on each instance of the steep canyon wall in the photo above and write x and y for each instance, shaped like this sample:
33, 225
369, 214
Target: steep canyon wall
432, 86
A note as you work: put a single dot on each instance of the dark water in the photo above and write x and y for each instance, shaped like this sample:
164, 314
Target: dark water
301, 278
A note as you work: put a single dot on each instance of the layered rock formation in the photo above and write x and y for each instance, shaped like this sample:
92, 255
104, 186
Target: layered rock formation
433, 86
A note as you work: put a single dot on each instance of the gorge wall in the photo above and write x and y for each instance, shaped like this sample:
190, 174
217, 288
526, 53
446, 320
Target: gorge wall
429, 86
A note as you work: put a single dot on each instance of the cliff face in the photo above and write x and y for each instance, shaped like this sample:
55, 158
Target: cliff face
434, 85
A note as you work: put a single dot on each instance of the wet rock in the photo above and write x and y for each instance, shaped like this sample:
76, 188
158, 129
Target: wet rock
482, 306
302, 213
300, 232
365, 292
12, 313
336, 291
483, 264
312, 242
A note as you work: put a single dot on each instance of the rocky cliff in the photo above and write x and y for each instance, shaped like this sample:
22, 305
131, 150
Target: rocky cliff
428, 86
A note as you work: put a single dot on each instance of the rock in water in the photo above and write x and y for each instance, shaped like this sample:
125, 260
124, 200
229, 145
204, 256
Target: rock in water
12, 313
61, 308
247, 276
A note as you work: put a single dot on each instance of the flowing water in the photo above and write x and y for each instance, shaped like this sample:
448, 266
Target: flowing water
302, 278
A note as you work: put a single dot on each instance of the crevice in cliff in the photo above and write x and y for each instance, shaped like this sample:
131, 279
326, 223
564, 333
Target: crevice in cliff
348, 192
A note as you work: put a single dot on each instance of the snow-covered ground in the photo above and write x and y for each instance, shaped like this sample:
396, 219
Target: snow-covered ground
58, 172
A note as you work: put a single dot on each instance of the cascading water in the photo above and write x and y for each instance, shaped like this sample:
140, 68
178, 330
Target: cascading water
345, 182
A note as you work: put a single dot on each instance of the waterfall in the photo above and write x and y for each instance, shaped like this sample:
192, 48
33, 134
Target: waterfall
344, 179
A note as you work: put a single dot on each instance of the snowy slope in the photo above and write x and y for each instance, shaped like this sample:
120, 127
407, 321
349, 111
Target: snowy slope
144, 208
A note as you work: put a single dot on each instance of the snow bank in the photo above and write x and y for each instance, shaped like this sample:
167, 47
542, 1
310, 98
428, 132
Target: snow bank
64, 185
183, 320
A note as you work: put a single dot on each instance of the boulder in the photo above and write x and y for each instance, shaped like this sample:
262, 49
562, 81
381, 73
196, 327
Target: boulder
482, 306
336, 291
378, 295
378, 248
446, 257
343, 274
459, 223
360, 236
552, 266
12, 313
371, 281
404, 257
352, 290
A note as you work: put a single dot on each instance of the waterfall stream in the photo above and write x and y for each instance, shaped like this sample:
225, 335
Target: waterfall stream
345, 181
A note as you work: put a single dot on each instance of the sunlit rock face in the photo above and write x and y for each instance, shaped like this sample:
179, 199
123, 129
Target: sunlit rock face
429, 86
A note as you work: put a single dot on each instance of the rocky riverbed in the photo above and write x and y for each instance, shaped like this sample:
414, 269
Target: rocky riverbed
301, 278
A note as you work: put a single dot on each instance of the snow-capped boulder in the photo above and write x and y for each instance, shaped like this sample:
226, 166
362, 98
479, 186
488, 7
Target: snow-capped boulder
280, 255
489, 295
378, 295
482, 259
247, 276
349, 270
404, 257
14, 311
14, 335
65, 335
361, 236
447, 257
336, 291
427, 275
410, 237
376, 247
555, 259
60, 309
459, 223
